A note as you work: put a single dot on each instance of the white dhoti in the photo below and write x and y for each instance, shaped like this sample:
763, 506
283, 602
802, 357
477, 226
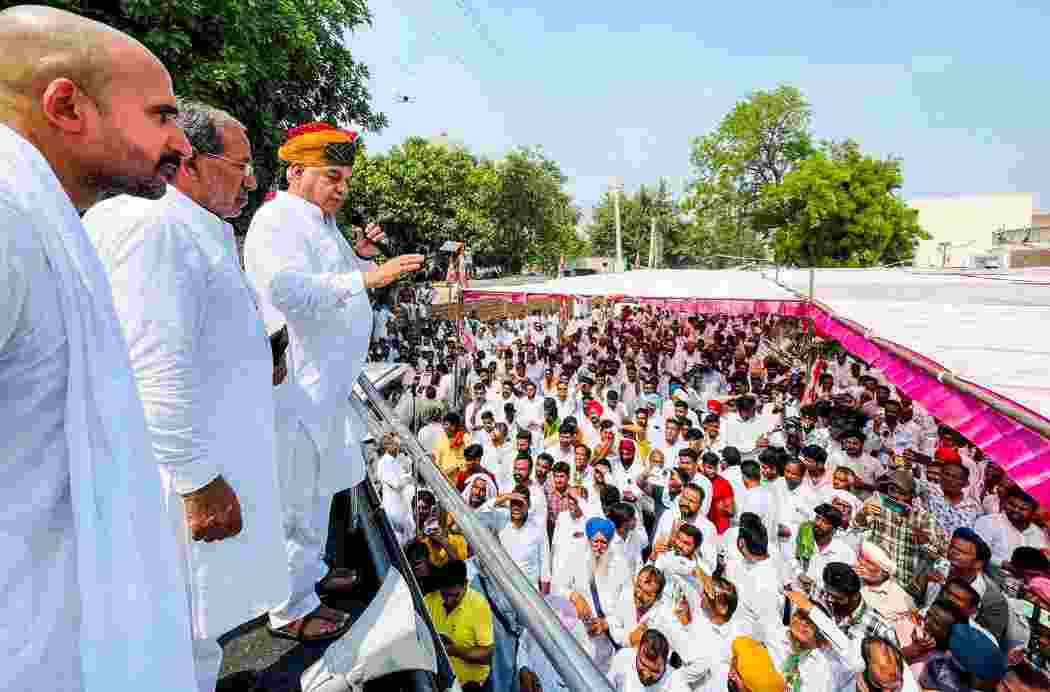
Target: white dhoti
305, 512
308, 482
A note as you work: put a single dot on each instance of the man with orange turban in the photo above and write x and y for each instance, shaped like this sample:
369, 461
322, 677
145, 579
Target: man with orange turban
752, 670
310, 279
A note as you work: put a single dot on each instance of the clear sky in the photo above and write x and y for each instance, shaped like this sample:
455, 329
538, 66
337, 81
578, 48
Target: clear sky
959, 90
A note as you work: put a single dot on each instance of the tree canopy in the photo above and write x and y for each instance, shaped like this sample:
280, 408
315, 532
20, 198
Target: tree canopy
513, 211
839, 208
756, 144
272, 64
763, 188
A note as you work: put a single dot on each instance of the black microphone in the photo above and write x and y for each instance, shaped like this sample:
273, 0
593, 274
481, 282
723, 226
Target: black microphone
360, 219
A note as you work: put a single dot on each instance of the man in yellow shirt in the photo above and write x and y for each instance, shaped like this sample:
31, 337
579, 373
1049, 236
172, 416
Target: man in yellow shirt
432, 532
448, 451
463, 619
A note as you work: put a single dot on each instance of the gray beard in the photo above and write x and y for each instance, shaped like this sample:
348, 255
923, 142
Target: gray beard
600, 565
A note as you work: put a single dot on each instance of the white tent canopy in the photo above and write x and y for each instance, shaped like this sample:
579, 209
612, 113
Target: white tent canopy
661, 283
990, 330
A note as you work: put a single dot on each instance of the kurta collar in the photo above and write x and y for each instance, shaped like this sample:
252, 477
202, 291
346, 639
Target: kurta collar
219, 229
307, 207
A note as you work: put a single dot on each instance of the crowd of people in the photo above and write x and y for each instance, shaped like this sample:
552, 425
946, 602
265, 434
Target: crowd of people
710, 501
702, 507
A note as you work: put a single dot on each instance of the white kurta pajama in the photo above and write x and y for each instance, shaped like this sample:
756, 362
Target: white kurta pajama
308, 277
205, 374
90, 596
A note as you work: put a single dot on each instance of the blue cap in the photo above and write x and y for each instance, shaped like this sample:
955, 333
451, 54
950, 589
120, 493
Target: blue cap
977, 652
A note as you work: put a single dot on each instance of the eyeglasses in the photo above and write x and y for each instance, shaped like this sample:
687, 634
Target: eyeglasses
247, 166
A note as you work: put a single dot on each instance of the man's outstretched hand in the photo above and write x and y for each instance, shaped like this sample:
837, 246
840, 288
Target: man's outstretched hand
392, 270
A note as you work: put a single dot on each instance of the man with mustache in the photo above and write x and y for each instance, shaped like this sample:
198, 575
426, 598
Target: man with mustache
525, 541
825, 547
522, 477
1011, 528
879, 590
691, 502
629, 617
802, 655
478, 490
681, 559
84, 111
196, 341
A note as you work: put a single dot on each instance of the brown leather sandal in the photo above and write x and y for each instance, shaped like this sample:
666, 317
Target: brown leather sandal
295, 630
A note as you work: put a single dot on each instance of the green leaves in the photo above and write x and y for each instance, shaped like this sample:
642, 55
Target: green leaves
513, 210
273, 64
761, 184
637, 212
838, 208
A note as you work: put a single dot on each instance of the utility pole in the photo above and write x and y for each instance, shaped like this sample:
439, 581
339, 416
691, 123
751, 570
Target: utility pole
652, 243
617, 186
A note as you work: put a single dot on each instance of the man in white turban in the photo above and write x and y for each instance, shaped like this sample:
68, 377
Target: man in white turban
879, 589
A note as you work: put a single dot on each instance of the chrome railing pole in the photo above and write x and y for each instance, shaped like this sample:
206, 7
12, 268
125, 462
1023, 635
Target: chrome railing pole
576, 668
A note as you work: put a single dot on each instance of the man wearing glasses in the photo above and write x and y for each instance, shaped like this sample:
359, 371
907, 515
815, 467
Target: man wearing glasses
204, 370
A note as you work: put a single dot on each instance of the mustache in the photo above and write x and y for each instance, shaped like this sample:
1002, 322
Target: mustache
170, 158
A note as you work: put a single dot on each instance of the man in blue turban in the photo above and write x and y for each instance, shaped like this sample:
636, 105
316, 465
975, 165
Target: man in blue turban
594, 586
599, 525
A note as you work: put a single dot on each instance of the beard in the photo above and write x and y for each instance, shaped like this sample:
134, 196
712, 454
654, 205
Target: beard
148, 180
600, 564
686, 514
793, 485
822, 536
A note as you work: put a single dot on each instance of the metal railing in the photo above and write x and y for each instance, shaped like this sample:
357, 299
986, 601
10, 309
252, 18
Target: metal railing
575, 667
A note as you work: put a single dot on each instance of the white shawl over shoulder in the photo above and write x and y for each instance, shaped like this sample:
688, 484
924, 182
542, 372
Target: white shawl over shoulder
134, 629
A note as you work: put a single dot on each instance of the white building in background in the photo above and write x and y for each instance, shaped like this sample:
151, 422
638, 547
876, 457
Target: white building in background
963, 228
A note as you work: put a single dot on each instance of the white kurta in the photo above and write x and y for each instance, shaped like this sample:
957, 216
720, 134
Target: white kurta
577, 579
396, 479
92, 604
205, 373
569, 542
307, 276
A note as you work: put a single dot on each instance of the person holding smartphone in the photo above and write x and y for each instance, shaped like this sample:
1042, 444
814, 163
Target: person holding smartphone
909, 534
